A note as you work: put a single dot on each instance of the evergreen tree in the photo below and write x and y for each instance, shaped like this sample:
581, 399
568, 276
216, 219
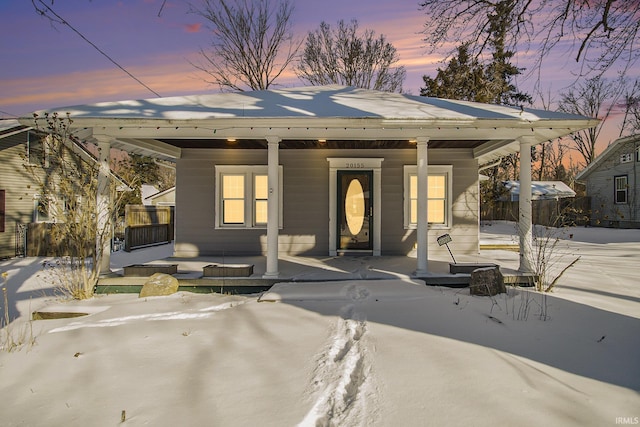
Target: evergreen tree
463, 78
467, 78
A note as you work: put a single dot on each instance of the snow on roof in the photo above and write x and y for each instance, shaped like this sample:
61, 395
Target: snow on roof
541, 190
306, 102
160, 193
10, 126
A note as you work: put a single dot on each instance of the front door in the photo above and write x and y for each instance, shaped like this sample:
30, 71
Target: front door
355, 211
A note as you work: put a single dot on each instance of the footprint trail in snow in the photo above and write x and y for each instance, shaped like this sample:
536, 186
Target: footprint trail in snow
342, 384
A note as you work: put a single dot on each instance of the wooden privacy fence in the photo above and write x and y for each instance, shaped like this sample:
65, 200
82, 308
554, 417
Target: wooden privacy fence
46, 239
550, 213
147, 226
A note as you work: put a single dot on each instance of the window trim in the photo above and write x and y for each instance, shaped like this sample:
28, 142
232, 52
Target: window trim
41, 217
626, 158
616, 189
42, 159
249, 172
446, 170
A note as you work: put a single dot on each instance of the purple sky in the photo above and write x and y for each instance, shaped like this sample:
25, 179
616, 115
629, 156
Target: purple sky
48, 66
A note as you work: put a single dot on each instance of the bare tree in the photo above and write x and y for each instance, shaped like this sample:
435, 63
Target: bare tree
601, 32
68, 185
252, 42
631, 122
342, 56
595, 97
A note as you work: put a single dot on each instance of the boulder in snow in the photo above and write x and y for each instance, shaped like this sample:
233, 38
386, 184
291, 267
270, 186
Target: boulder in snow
159, 284
487, 281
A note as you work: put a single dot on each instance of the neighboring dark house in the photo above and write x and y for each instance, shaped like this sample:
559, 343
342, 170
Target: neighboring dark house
612, 181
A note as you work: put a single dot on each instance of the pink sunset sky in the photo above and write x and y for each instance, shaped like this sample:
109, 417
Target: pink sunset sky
47, 65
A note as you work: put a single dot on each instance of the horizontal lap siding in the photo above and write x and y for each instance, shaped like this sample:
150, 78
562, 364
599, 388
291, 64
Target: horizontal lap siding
398, 241
601, 188
395, 240
306, 202
195, 205
466, 199
19, 188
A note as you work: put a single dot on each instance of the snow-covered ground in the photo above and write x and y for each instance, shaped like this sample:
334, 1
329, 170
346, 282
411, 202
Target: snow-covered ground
349, 353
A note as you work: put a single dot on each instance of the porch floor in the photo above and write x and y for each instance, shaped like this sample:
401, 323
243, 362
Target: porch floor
301, 269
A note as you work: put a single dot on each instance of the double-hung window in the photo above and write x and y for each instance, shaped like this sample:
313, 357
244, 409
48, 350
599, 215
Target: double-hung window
241, 196
621, 188
439, 187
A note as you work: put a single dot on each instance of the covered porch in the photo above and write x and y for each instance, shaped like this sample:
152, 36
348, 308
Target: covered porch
221, 135
190, 271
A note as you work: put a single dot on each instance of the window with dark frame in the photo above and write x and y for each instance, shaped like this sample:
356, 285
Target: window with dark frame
621, 188
35, 150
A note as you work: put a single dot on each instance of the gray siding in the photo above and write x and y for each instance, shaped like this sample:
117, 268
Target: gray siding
600, 187
306, 202
19, 188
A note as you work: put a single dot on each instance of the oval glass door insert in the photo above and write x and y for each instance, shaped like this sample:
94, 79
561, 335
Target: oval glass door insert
354, 206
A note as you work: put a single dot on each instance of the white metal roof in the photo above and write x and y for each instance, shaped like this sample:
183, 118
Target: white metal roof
542, 190
331, 112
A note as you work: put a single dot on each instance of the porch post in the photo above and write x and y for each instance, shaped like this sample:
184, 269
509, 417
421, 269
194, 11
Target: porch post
103, 203
423, 220
525, 226
273, 205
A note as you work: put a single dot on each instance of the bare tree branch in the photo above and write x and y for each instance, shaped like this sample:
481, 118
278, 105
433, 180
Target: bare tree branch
343, 56
595, 97
252, 44
602, 32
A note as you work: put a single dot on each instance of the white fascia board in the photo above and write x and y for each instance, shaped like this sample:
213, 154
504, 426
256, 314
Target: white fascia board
152, 145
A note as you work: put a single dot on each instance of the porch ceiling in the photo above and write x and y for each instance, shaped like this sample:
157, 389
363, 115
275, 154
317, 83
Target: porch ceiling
316, 144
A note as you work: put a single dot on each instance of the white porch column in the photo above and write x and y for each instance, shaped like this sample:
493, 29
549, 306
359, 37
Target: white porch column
423, 220
525, 227
273, 204
103, 204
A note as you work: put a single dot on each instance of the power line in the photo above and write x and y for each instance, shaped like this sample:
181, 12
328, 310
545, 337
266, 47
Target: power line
64, 22
8, 114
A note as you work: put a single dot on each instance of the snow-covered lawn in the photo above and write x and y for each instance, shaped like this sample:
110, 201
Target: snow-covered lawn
351, 353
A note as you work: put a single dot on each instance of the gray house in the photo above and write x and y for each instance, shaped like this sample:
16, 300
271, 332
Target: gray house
19, 145
23, 157
325, 170
613, 183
